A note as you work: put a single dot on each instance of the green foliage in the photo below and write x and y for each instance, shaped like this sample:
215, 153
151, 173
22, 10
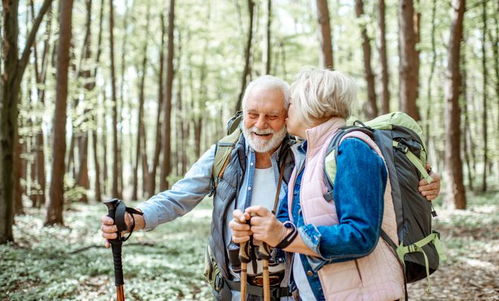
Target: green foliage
40, 266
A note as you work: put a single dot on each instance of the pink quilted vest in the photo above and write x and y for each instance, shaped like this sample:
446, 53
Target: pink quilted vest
377, 276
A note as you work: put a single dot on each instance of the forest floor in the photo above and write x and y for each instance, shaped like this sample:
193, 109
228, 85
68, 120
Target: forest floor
167, 263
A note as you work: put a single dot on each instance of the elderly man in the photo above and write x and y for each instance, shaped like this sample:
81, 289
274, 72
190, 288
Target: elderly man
257, 165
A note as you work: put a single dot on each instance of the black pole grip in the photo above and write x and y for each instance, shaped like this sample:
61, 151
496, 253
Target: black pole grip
118, 267
116, 244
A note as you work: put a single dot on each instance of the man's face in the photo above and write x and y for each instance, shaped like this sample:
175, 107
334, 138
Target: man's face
264, 124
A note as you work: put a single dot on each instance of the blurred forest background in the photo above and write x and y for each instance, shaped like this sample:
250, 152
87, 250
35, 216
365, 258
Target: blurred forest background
103, 98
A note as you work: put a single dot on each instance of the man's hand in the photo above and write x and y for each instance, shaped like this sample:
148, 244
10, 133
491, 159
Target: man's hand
432, 190
109, 229
265, 226
240, 229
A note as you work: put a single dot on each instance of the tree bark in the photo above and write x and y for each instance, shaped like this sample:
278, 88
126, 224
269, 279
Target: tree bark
56, 202
157, 148
325, 34
484, 97
10, 82
247, 55
140, 125
371, 109
456, 192
116, 193
166, 139
409, 60
268, 52
383, 53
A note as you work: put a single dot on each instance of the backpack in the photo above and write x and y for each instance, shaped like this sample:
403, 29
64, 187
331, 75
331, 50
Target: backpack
223, 149
398, 136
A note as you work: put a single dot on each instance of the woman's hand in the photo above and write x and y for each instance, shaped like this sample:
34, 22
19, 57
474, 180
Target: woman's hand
265, 226
240, 228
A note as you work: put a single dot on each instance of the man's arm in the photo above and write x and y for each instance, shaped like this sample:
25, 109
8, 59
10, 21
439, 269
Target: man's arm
170, 204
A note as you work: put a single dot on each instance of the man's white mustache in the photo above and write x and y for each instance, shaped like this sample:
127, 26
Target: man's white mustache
261, 132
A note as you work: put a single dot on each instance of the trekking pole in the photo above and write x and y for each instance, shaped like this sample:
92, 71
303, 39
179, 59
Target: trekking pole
264, 255
112, 207
244, 258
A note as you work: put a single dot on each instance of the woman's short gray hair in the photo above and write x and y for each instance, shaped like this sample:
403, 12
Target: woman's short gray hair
319, 94
267, 82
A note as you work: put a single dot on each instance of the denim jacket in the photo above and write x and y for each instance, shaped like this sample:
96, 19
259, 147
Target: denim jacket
358, 195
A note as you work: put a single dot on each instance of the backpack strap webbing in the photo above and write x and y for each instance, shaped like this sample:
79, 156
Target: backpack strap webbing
222, 156
414, 160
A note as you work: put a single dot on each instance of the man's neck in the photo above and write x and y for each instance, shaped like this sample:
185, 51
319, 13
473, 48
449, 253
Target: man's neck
263, 160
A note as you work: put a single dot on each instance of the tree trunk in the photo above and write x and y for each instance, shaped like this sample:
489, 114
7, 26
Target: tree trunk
456, 192
10, 82
86, 75
140, 125
116, 193
41, 76
97, 184
409, 60
157, 148
247, 55
432, 72
385, 71
166, 166
56, 202
371, 109
19, 174
325, 34
268, 52
484, 98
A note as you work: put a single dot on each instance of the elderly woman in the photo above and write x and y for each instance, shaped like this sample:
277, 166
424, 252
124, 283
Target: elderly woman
337, 253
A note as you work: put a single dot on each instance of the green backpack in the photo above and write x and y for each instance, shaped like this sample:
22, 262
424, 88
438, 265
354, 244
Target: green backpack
223, 149
398, 136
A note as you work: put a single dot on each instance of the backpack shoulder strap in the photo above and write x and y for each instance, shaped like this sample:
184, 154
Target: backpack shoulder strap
223, 150
332, 153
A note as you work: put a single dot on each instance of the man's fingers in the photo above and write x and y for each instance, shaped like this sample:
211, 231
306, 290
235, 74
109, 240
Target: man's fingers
239, 240
236, 226
109, 229
257, 211
106, 220
239, 216
107, 244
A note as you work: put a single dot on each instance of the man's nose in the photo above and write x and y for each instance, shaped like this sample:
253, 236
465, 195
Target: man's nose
261, 123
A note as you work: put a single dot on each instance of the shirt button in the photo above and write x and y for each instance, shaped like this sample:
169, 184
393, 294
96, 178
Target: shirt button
249, 188
251, 163
310, 273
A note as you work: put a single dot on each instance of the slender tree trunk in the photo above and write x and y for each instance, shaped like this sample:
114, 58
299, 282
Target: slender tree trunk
116, 193
41, 76
10, 83
97, 184
325, 34
371, 108
157, 148
385, 71
19, 173
85, 74
166, 166
432, 72
409, 60
484, 97
456, 195
268, 56
56, 203
140, 126
465, 135
247, 54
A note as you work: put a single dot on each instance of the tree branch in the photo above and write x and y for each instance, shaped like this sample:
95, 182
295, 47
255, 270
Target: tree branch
31, 37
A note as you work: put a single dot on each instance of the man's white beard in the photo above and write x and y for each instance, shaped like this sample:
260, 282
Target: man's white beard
262, 145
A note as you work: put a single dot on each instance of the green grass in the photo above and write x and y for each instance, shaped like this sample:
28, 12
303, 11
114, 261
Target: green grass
40, 266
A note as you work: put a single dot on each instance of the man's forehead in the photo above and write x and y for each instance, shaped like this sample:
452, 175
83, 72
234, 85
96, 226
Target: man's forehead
266, 99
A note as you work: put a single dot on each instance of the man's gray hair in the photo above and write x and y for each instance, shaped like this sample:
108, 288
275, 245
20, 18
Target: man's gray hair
321, 93
268, 82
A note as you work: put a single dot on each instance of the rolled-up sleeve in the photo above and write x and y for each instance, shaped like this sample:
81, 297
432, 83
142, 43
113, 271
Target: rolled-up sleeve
358, 195
183, 196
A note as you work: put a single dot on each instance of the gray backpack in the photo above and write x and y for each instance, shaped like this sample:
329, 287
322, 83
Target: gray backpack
398, 136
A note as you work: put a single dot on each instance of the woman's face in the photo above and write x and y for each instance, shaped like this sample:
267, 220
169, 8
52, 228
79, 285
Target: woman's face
294, 122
